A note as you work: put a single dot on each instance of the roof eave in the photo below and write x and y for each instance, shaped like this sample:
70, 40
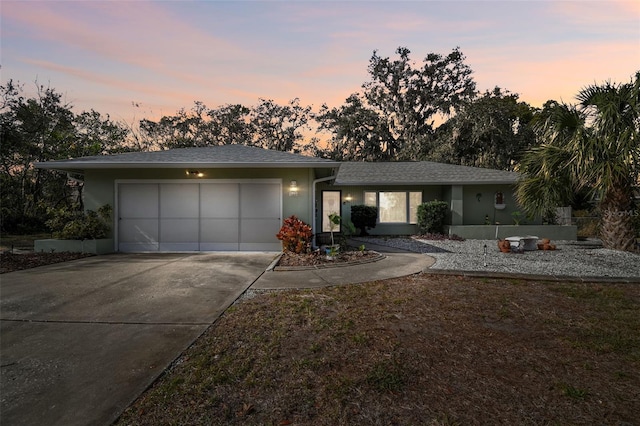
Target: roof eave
107, 165
475, 182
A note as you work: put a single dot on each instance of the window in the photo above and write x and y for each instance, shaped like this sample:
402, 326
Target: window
395, 206
415, 199
370, 199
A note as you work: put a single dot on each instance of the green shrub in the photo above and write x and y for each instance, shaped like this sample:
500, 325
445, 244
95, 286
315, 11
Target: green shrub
364, 217
295, 235
432, 216
67, 224
348, 228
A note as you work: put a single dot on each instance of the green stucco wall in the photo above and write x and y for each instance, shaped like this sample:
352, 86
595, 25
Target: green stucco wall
479, 203
470, 204
99, 187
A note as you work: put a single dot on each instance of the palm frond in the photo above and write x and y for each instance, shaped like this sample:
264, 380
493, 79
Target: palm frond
546, 182
594, 145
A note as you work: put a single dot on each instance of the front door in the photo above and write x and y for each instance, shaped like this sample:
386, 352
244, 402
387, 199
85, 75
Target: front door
330, 204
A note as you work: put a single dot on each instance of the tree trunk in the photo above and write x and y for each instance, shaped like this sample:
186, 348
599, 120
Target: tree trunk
617, 226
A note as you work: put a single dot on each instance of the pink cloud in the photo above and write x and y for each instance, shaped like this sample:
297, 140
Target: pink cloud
104, 79
140, 34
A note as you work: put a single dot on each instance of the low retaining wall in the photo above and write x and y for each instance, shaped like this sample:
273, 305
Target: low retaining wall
494, 232
102, 246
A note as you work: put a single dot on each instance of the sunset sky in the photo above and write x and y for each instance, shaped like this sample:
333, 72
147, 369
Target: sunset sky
164, 55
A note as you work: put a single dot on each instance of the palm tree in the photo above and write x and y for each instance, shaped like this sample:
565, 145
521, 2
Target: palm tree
593, 145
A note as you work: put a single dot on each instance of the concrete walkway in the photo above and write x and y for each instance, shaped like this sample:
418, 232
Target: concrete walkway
393, 265
396, 263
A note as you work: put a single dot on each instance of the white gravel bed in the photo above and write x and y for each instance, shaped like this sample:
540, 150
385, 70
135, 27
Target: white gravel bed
572, 258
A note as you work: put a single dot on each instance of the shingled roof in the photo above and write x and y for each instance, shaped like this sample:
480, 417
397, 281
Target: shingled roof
419, 173
223, 156
234, 156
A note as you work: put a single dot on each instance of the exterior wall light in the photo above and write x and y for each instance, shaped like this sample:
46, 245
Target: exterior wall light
293, 189
195, 173
348, 199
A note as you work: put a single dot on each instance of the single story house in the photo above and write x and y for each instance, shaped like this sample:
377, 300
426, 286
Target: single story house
235, 197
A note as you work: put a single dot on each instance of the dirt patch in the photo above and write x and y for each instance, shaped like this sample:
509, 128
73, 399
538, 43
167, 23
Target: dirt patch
10, 262
319, 259
424, 349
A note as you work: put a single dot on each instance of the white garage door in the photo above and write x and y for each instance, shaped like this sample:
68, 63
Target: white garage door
203, 216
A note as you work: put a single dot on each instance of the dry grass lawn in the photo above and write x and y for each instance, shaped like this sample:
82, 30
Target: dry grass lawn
426, 349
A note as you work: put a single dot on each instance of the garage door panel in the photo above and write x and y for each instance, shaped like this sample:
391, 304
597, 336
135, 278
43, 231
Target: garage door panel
179, 200
260, 200
219, 230
138, 235
219, 200
259, 230
179, 234
179, 230
138, 230
138, 201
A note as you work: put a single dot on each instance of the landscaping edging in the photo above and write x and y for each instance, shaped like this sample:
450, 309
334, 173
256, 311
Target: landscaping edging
534, 277
276, 268
99, 246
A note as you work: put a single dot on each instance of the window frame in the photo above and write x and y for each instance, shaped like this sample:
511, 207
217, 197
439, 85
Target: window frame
407, 201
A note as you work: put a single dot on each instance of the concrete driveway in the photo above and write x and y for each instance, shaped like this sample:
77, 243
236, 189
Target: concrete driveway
81, 340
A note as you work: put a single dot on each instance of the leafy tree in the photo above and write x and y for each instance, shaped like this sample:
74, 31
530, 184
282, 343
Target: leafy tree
39, 129
593, 145
267, 125
231, 124
490, 131
359, 133
409, 96
33, 130
185, 129
279, 127
97, 135
395, 112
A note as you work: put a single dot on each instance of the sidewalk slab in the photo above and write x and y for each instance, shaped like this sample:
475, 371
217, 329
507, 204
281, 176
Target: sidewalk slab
394, 265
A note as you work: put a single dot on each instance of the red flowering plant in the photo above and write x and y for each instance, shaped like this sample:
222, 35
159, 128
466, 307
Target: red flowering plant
295, 235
